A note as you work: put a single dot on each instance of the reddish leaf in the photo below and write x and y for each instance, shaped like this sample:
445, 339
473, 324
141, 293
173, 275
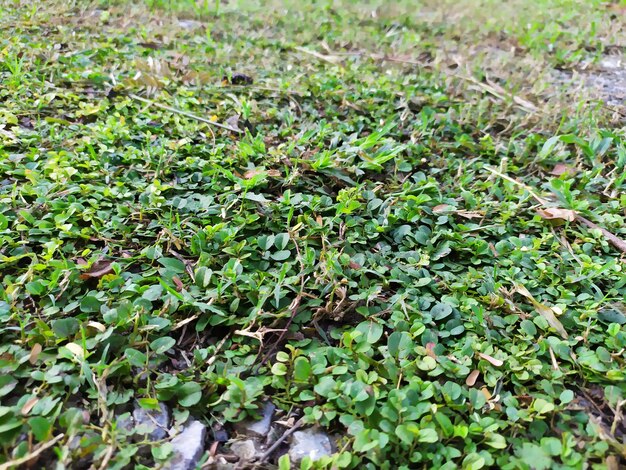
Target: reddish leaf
490, 359
179, 284
252, 173
563, 169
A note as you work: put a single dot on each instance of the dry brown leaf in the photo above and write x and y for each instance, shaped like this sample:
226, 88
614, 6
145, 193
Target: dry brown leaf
472, 378
543, 310
442, 208
490, 359
274, 173
34, 353
554, 213
471, 214
29, 405
612, 462
97, 270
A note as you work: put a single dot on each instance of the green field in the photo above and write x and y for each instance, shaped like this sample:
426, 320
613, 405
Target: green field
401, 222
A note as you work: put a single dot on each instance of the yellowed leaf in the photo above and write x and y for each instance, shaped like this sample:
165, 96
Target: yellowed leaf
543, 310
487, 393
75, 349
554, 213
98, 326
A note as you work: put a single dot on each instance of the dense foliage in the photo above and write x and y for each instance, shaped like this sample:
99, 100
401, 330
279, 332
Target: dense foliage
357, 253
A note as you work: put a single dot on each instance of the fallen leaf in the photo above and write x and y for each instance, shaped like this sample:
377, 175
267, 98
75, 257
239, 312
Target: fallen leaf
430, 350
97, 270
75, 349
612, 462
252, 173
471, 214
34, 353
543, 310
472, 378
233, 121
29, 405
442, 208
563, 169
274, 173
554, 213
487, 393
97, 325
492, 360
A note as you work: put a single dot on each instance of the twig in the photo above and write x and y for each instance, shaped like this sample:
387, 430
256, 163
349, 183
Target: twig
31, 455
614, 240
617, 416
540, 200
297, 425
109, 454
180, 258
294, 306
490, 87
211, 360
328, 58
184, 113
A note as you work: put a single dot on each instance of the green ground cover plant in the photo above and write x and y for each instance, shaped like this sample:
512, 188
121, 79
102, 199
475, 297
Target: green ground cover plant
410, 232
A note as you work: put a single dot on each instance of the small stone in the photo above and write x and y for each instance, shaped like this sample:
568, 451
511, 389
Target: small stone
188, 447
309, 443
125, 423
219, 434
258, 428
153, 423
189, 24
245, 450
